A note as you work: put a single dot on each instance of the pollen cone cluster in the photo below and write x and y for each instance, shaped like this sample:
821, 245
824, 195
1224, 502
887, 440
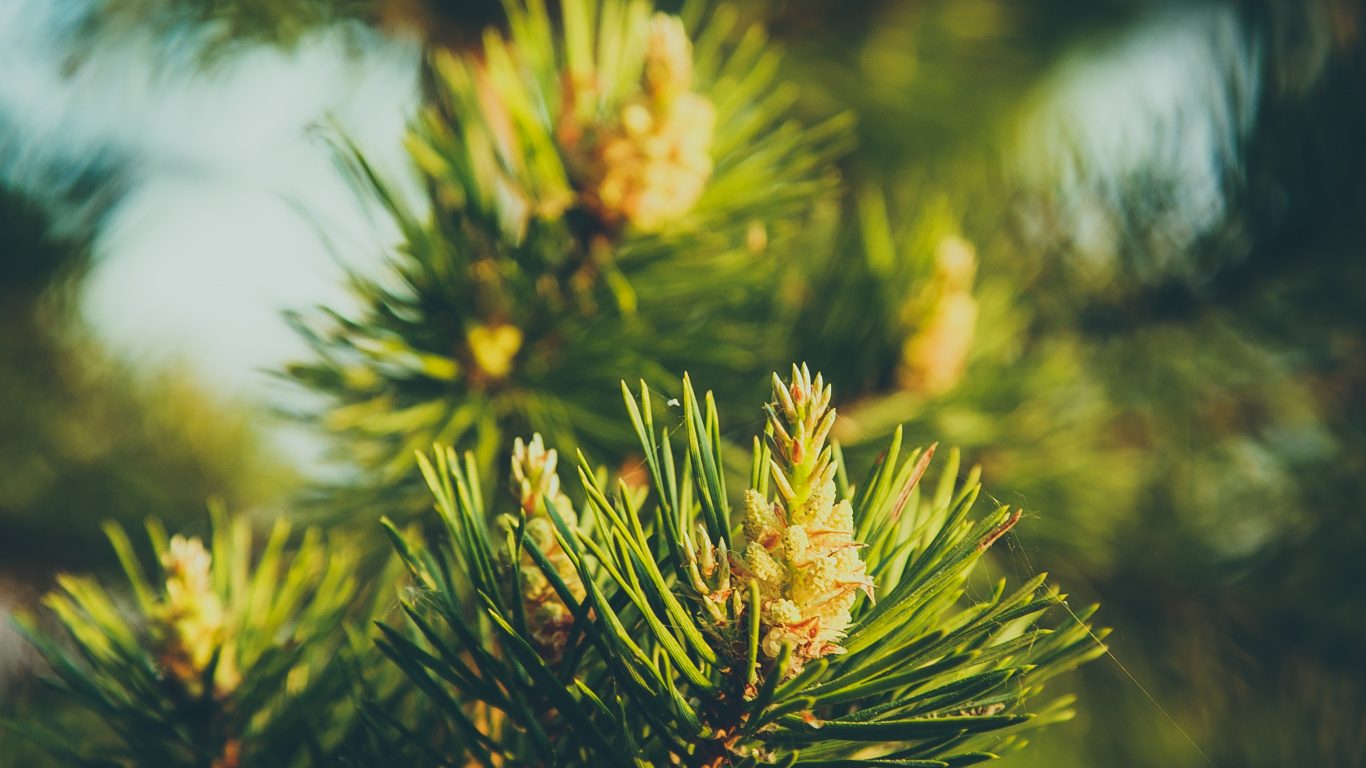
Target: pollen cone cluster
801, 547
190, 621
535, 481
935, 358
653, 166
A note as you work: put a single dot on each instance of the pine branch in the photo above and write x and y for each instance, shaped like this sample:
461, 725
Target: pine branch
609, 193
214, 662
708, 654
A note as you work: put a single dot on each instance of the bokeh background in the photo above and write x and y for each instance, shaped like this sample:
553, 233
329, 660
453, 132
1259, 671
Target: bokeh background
1169, 370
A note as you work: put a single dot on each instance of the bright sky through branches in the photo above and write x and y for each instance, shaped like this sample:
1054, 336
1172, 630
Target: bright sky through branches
229, 185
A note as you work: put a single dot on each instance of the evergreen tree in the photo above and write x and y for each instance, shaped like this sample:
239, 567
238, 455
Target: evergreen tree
1184, 422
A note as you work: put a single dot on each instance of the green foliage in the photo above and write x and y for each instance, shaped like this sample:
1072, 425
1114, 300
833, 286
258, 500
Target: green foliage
215, 663
965, 364
529, 287
666, 658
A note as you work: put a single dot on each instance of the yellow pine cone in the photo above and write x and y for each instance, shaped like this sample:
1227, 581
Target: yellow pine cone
653, 167
801, 548
934, 360
190, 619
493, 348
808, 572
535, 478
548, 618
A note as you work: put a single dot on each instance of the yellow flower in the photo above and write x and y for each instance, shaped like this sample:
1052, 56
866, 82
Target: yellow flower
548, 618
801, 549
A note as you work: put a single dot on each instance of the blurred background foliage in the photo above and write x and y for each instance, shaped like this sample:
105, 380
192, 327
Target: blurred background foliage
1166, 365
84, 437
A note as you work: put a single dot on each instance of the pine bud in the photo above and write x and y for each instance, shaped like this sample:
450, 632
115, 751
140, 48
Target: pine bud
651, 168
668, 58
535, 482
493, 348
190, 621
935, 358
801, 549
